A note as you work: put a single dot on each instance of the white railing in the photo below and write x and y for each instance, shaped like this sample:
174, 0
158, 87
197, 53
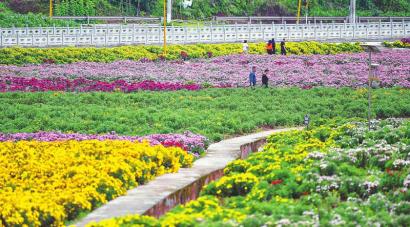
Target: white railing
311, 19
112, 35
125, 19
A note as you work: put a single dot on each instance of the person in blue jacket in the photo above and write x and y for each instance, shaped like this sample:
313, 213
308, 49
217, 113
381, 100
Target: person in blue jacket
273, 46
252, 76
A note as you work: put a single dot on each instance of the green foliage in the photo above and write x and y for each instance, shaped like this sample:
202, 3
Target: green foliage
396, 44
204, 9
235, 185
86, 8
211, 112
19, 56
341, 7
9, 19
238, 166
130, 220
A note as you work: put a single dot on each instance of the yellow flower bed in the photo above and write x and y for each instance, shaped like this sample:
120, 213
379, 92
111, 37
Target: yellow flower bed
205, 207
18, 56
47, 183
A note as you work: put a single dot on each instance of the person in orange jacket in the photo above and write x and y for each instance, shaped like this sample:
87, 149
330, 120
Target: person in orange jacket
269, 47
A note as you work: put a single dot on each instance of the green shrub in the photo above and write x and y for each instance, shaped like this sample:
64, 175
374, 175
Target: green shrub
238, 166
9, 19
396, 44
238, 184
147, 112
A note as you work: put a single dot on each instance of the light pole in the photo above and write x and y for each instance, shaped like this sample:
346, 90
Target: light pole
306, 121
169, 10
369, 48
164, 52
299, 8
51, 9
307, 10
352, 9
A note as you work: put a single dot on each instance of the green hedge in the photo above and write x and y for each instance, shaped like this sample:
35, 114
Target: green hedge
211, 112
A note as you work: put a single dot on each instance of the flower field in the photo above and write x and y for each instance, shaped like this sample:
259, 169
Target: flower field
47, 183
81, 126
193, 143
13, 84
340, 70
332, 175
21, 56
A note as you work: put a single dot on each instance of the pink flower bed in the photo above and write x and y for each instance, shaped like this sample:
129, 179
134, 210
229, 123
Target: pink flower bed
342, 70
14, 83
188, 141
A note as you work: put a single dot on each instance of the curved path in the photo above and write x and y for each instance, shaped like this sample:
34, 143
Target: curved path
166, 191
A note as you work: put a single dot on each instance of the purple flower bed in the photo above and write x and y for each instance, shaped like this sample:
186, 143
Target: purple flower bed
342, 70
193, 143
32, 84
405, 40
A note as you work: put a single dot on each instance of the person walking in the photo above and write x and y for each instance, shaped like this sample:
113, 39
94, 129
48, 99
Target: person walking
283, 47
273, 46
245, 47
265, 78
252, 77
269, 47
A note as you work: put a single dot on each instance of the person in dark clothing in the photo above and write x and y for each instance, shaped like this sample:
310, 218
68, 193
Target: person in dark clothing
265, 78
269, 47
273, 46
252, 77
282, 47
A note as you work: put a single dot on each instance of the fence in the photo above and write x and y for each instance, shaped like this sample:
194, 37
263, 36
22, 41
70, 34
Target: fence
109, 18
112, 35
303, 19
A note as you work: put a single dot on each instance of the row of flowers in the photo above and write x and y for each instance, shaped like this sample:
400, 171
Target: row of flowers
20, 56
12, 84
334, 174
341, 70
48, 183
193, 143
403, 43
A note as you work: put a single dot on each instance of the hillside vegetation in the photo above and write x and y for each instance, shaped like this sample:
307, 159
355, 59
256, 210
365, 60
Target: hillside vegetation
9, 18
200, 9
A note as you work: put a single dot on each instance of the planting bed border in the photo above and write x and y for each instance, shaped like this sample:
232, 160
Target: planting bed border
169, 190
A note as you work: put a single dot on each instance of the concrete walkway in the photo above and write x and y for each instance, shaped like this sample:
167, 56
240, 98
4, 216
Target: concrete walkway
166, 191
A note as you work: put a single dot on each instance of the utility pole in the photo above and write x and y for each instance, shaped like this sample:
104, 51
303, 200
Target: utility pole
352, 9
169, 10
299, 8
307, 10
164, 53
372, 68
51, 9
